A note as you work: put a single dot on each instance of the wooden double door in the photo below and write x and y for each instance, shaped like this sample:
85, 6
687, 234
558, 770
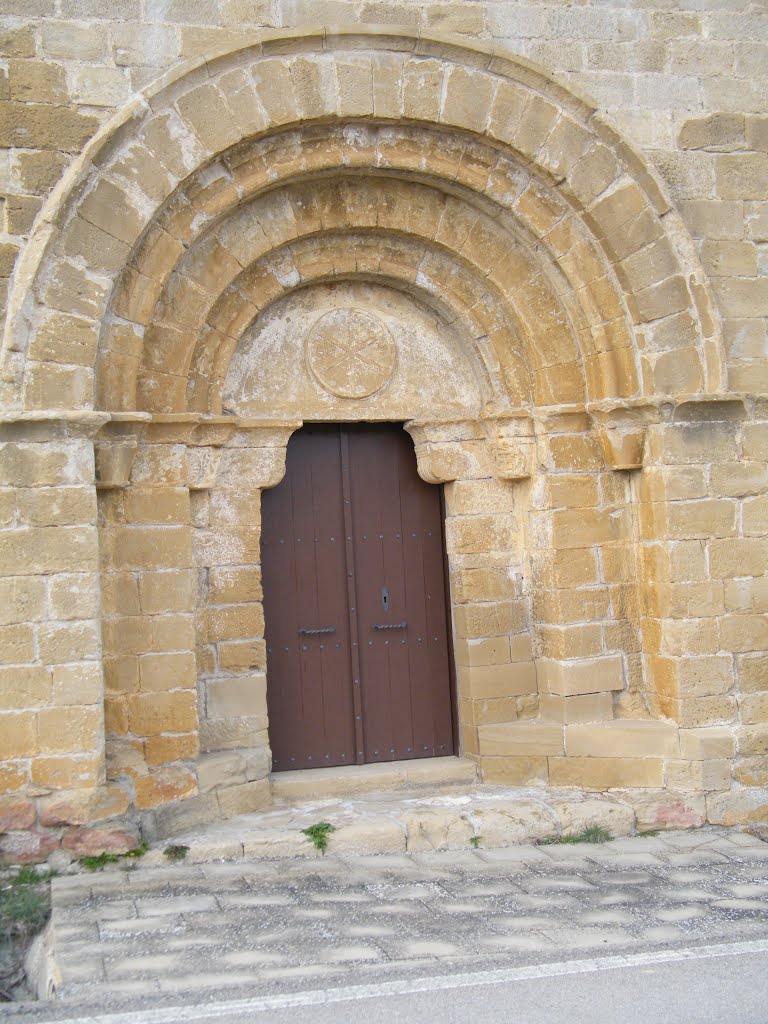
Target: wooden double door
357, 629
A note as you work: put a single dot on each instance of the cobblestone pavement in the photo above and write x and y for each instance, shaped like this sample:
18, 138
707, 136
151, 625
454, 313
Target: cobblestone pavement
274, 926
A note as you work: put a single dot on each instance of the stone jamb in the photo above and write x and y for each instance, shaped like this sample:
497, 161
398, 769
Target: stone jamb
236, 760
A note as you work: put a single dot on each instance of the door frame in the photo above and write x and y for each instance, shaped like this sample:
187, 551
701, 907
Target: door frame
453, 697
453, 679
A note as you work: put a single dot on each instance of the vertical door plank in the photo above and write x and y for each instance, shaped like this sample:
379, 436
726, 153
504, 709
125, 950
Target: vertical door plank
309, 694
406, 677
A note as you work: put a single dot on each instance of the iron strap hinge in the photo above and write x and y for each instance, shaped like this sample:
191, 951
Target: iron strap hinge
394, 625
317, 632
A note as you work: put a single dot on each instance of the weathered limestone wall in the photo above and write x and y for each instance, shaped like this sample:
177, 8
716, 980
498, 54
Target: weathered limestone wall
607, 540
704, 625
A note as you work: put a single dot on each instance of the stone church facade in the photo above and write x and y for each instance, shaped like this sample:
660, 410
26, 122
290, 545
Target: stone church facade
534, 236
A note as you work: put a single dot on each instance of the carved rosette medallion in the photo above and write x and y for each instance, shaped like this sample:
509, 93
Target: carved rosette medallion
350, 353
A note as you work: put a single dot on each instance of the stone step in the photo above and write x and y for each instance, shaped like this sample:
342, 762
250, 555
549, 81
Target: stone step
350, 781
409, 820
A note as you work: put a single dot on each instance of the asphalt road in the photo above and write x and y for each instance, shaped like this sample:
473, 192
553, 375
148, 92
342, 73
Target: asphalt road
697, 991
700, 985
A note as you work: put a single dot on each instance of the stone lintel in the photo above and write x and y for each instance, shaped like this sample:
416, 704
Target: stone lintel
441, 431
711, 408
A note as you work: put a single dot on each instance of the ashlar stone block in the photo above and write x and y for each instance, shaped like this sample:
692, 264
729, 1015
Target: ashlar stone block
514, 771
623, 739
699, 775
607, 772
237, 697
588, 675
521, 739
706, 744
590, 707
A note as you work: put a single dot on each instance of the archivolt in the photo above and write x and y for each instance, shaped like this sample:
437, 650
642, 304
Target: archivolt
559, 246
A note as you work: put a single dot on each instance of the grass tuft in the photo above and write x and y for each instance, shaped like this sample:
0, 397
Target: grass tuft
174, 853
137, 851
591, 834
24, 909
99, 861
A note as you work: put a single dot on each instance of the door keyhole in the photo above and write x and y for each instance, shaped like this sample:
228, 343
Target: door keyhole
385, 598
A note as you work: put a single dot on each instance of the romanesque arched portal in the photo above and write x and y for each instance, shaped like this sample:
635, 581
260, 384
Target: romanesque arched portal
512, 285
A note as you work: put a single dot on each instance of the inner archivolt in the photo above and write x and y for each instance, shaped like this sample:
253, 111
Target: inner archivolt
466, 198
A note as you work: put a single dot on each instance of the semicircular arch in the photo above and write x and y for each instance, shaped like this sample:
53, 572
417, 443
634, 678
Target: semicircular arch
106, 207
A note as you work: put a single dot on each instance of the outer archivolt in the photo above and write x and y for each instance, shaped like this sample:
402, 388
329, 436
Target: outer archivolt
350, 353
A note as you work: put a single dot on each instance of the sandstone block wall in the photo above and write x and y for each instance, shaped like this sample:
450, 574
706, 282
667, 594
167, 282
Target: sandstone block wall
580, 243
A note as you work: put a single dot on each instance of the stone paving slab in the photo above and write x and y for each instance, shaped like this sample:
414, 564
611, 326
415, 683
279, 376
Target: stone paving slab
158, 932
420, 820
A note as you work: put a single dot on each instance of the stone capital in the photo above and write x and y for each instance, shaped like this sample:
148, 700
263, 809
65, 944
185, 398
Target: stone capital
511, 445
115, 449
621, 433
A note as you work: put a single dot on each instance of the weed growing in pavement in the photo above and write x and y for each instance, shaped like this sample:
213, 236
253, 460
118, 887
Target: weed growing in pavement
99, 861
591, 834
24, 899
137, 851
174, 854
318, 834
475, 841
649, 835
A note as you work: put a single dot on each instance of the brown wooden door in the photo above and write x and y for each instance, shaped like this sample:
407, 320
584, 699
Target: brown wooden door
354, 596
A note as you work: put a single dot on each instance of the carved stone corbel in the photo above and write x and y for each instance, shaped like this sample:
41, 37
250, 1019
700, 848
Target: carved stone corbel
254, 455
450, 450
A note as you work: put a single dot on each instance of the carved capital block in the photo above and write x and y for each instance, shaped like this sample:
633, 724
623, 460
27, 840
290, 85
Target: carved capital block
511, 444
622, 448
621, 434
114, 462
115, 449
202, 467
512, 459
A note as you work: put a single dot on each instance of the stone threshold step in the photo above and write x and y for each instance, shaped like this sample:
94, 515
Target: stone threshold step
355, 779
407, 821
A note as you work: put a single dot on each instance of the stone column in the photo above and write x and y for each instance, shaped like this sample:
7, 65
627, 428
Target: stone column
582, 579
148, 586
